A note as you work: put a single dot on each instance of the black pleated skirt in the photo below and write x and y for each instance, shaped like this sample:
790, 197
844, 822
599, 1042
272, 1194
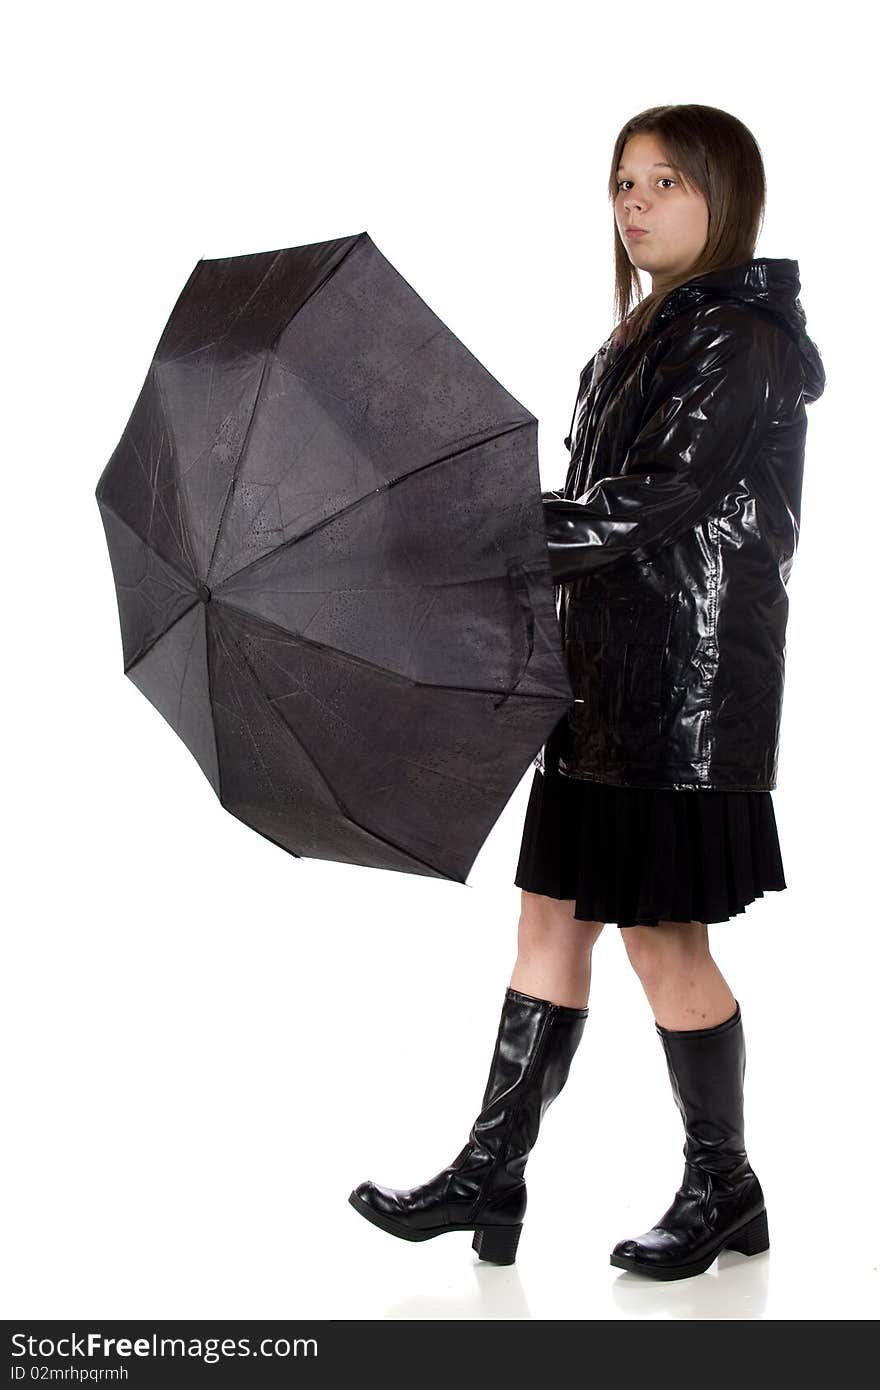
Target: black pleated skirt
631, 856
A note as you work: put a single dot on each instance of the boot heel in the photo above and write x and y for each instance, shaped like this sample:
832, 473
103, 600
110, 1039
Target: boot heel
497, 1243
753, 1238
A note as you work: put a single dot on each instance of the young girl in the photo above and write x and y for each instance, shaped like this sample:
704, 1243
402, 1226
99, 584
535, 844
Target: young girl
671, 545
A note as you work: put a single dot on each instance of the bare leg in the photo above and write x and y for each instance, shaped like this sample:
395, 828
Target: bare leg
554, 951
683, 984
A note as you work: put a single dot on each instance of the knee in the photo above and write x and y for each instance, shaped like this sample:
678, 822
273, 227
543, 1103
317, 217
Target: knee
549, 924
654, 952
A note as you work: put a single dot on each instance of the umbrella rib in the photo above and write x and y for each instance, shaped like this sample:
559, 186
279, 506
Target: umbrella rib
410, 762
244, 722
155, 500
243, 450
180, 697
372, 666
201, 347
366, 497
374, 381
325, 646
142, 655
254, 292
268, 355
462, 781
291, 733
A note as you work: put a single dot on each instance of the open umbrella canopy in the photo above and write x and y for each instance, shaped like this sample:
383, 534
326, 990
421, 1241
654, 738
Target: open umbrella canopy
325, 524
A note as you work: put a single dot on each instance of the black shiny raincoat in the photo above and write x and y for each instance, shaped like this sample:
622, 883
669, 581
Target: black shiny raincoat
673, 538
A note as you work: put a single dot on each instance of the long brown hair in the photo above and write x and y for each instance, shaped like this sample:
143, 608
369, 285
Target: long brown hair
711, 151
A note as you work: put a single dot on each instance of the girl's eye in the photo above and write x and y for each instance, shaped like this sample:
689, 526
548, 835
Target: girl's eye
664, 179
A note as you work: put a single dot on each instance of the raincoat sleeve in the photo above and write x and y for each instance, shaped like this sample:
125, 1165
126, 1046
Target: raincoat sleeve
709, 406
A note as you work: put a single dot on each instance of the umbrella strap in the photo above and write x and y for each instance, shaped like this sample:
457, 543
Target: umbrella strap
517, 576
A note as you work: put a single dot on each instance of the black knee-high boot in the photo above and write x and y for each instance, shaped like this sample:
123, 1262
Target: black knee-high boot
719, 1204
483, 1188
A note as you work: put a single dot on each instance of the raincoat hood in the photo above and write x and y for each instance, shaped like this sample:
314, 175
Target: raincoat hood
771, 284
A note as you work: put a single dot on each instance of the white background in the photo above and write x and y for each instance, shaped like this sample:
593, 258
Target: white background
206, 1042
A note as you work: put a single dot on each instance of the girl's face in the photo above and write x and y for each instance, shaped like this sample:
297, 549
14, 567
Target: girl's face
651, 195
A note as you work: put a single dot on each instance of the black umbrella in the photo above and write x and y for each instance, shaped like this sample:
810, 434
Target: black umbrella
325, 524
